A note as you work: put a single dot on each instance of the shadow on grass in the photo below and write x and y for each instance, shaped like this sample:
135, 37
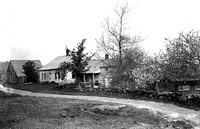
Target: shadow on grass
8, 95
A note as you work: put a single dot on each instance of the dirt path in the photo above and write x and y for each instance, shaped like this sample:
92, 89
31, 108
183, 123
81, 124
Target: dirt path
172, 111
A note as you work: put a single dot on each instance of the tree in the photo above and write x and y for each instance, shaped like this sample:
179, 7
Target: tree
120, 46
152, 72
30, 71
116, 38
128, 76
182, 57
78, 64
80, 60
64, 68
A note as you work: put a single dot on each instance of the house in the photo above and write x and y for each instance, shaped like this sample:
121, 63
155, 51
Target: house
51, 73
15, 72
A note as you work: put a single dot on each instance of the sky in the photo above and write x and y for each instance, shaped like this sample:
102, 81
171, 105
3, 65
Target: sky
41, 29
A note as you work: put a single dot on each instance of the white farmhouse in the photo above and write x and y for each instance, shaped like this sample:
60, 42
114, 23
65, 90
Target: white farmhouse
97, 72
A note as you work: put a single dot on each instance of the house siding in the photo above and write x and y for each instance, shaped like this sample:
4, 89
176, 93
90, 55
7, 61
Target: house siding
53, 76
104, 76
48, 76
12, 76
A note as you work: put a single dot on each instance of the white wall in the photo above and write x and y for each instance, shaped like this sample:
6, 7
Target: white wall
50, 76
47, 76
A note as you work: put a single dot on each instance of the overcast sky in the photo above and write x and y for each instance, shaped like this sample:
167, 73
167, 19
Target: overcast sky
40, 29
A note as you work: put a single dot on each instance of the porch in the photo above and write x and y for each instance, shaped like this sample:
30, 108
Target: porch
89, 80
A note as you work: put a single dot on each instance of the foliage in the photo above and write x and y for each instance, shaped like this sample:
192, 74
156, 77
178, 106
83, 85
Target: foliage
30, 71
79, 59
182, 57
180, 61
152, 72
64, 68
128, 75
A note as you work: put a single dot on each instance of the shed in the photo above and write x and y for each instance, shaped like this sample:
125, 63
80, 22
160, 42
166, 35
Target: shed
188, 86
15, 72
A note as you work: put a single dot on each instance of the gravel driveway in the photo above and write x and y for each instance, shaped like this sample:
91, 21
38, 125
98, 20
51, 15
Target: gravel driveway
171, 111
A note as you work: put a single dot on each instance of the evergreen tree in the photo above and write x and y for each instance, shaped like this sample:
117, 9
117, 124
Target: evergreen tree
78, 64
30, 71
79, 61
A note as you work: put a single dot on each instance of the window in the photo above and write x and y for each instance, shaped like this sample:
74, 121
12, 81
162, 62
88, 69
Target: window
42, 74
197, 87
184, 88
45, 76
55, 76
58, 75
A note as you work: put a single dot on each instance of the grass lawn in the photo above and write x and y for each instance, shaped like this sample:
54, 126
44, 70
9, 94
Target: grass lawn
37, 112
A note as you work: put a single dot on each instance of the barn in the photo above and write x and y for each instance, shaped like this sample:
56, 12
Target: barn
15, 72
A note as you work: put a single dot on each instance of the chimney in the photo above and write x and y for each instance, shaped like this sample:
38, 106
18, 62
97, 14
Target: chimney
106, 56
67, 51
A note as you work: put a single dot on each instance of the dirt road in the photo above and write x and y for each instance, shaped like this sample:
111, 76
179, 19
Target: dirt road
171, 111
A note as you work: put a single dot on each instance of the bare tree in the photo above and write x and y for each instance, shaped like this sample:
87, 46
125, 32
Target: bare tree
117, 42
116, 38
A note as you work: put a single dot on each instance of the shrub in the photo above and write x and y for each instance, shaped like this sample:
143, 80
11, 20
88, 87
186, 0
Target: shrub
52, 82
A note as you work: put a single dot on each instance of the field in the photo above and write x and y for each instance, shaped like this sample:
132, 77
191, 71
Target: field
36, 112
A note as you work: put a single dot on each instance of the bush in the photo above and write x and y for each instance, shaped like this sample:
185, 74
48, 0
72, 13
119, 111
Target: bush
52, 82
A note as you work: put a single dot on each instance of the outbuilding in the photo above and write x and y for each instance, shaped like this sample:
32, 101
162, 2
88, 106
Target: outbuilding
15, 72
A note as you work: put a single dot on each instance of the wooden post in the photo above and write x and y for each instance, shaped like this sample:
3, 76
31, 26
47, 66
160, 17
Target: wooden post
83, 77
93, 79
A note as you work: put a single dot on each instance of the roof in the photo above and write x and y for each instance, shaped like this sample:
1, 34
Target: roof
54, 64
94, 65
17, 65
